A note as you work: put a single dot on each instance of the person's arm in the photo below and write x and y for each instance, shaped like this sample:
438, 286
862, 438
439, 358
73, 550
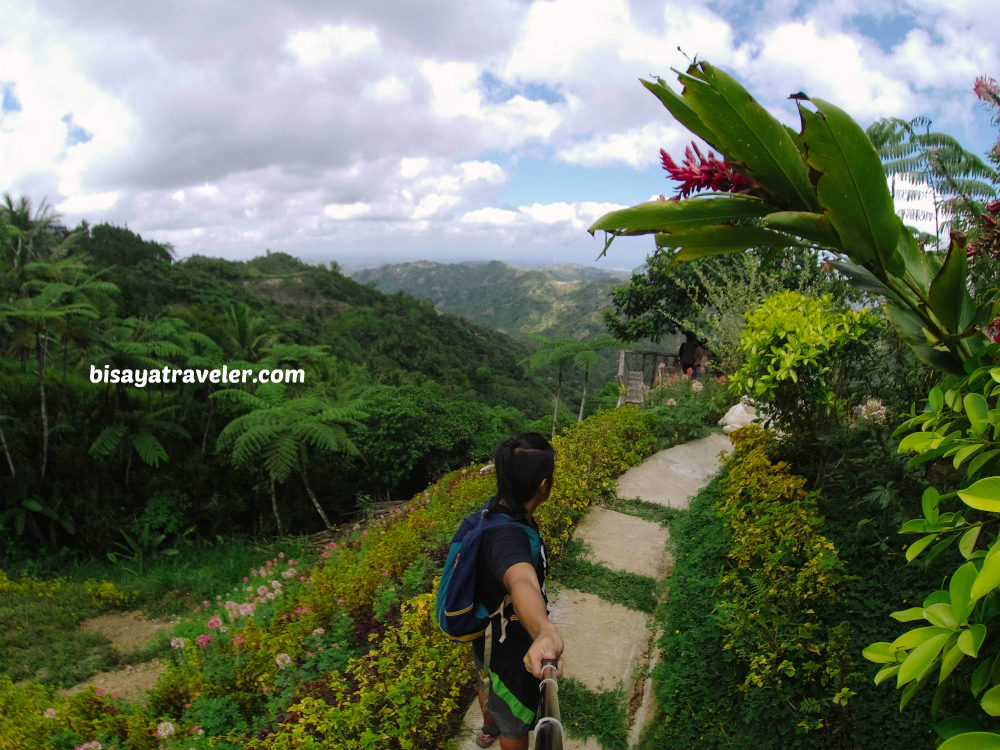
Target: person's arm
529, 606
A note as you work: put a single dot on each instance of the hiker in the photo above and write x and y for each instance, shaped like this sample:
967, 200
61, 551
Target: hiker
510, 571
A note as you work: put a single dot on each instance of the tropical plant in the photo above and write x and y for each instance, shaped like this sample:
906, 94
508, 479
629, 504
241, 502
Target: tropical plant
556, 354
278, 432
826, 187
918, 161
796, 351
822, 187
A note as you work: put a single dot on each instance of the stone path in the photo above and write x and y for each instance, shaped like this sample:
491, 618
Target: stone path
607, 643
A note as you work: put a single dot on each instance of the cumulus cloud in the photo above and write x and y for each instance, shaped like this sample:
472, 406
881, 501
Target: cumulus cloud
358, 126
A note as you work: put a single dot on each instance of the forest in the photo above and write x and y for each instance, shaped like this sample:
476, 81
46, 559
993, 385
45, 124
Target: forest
393, 392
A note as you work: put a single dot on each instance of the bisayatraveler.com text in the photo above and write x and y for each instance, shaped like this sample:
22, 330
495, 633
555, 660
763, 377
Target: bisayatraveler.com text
166, 375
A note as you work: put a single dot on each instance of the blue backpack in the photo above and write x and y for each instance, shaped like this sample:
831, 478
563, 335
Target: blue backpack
459, 615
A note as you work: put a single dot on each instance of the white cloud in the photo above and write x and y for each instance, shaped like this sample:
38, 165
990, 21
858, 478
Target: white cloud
324, 126
342, 211
313, 47
490, 215
637, 147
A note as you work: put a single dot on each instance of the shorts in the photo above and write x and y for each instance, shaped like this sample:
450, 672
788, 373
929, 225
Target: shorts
512, 692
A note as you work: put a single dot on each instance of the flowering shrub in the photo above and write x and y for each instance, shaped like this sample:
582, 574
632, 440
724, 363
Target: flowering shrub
344, 653
683, 409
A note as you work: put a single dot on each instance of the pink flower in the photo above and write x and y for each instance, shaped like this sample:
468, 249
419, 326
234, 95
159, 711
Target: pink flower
332, 545
325, 553
269, 563
177, 643
262, 590
246, 580
164, 730
318, 631
214, 622
282, 660
203, 640
50, 713
364, 533
385, 573
281, 555
238, 640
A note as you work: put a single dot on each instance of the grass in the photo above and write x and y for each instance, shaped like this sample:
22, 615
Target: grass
40, 616
628, 589
586, 713
173, 581
654, 512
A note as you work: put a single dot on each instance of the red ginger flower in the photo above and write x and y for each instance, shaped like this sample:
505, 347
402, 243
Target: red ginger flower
704, 173
987, 89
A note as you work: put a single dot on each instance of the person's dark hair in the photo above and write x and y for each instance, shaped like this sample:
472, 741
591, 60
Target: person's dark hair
521, 463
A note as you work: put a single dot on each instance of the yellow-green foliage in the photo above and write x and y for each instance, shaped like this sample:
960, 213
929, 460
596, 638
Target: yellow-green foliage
37, 717
403, 691
590, 456
102, 594
782, 575
399, 695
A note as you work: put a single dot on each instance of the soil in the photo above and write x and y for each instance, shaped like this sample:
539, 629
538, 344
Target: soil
128, 632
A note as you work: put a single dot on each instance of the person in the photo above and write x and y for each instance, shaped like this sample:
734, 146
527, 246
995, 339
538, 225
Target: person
685, 355
522, 637
701, 356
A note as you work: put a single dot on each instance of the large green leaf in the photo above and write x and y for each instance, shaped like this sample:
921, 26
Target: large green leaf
949, 294
681, 110
920, 658
680, 216
911, 328
989, 576
852, 187
960, 591
813, 227
749, 135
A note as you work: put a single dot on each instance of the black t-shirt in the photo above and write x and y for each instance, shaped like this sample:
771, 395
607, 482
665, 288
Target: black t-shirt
498, 551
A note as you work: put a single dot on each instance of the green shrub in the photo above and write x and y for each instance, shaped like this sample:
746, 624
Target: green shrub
799, 352
684, 409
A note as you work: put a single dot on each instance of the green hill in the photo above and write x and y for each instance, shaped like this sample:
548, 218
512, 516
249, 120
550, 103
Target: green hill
557, 302
394, 393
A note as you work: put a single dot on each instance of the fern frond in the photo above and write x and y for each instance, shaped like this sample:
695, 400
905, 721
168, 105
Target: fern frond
149, 448
105, 443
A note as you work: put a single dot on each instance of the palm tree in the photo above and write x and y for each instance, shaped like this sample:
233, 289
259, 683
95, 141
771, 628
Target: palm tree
46, 307
279, 433
245, 334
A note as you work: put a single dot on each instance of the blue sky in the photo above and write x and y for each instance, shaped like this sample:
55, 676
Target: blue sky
446, 130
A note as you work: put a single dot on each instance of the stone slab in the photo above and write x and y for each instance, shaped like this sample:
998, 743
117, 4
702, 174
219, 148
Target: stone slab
466, 737
604, 641
675, 475
623, 542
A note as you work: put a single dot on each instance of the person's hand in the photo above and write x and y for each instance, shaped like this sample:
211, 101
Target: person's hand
548, 645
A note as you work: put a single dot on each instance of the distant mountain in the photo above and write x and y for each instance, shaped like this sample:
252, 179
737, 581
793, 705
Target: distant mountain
558, 301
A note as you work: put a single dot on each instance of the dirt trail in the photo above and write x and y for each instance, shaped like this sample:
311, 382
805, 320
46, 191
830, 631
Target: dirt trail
607, 643
128, 632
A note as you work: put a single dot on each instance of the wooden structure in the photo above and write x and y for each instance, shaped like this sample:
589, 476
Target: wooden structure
638, 372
